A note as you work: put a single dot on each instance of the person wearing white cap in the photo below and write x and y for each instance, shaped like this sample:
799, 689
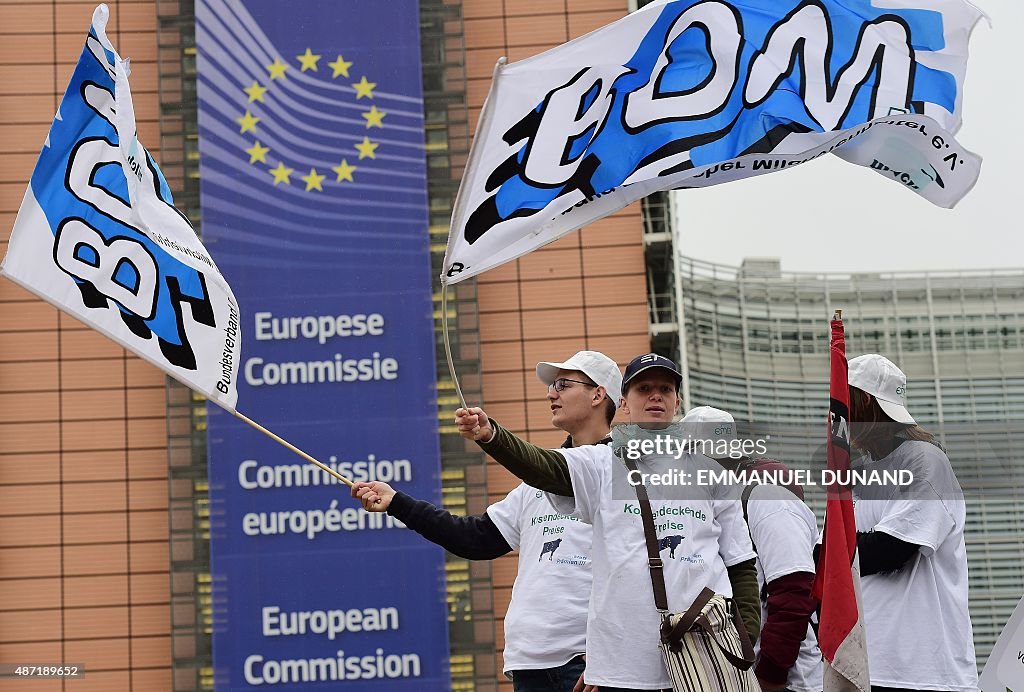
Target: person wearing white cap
709, 543
783, 530
597, 380
543, 651
910, 541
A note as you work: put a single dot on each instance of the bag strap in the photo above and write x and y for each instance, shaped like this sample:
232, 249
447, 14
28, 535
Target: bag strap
691, 620
654, 562
745, 644
744, 662
691, 617
745, 498
687, 620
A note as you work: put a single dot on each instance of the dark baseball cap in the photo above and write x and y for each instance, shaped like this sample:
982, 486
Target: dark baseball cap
646, 362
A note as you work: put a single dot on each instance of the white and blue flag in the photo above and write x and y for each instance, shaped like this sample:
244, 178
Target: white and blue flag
97, 236
691, 93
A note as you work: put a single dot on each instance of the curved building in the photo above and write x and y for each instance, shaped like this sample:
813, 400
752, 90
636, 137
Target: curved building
755, 342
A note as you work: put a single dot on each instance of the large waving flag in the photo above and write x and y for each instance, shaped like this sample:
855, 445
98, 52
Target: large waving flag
837, 586
691, 93
97, 235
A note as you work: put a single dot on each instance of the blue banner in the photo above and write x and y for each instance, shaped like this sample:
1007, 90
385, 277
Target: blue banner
313, 184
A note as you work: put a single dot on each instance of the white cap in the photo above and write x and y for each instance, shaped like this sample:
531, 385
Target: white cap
708, 422
597, 366
879, 377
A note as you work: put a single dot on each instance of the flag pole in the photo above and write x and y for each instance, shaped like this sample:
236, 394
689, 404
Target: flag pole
447, 343
841, 634
289, 445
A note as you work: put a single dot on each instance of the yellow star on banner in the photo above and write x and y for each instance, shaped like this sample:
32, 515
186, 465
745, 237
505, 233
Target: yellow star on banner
281, 174
366, 148
374, 117
364, 88
313, 180
277, 68
255, 92
308, 60
248, 122
340, 67
344, 171
257, 152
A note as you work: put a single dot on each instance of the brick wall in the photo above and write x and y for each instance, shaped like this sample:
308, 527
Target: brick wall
83, 459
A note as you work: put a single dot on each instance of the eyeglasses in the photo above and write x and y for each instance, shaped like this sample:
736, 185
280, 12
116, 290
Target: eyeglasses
562, 383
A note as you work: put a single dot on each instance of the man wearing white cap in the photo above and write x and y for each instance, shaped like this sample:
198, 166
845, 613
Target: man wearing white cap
543, 650
783, 530
910, 541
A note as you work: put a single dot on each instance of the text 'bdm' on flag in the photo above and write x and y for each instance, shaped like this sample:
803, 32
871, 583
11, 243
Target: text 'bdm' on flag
692, 93
98, 236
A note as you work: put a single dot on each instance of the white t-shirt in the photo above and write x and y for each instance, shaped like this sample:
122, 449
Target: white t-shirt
784, 531
546, 623
916, 620
703, 533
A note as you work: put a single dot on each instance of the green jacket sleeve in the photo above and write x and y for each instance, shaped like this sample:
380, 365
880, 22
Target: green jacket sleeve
743, 577
544, 469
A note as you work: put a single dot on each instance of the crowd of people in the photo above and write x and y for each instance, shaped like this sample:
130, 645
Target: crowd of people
582, 613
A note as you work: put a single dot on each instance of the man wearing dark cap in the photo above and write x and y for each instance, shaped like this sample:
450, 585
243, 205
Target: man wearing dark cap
710, 544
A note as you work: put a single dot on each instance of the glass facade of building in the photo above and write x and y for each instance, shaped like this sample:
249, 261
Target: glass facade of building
755, 342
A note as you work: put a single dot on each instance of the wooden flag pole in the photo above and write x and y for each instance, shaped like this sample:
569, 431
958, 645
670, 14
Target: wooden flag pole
289, 445
447, 343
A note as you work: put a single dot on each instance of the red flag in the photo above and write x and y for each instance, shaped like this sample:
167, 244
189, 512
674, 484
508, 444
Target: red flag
837, 583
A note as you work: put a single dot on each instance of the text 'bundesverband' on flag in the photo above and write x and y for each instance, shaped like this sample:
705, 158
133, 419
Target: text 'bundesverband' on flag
98, 236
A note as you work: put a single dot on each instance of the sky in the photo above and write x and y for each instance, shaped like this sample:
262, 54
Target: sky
831, 216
